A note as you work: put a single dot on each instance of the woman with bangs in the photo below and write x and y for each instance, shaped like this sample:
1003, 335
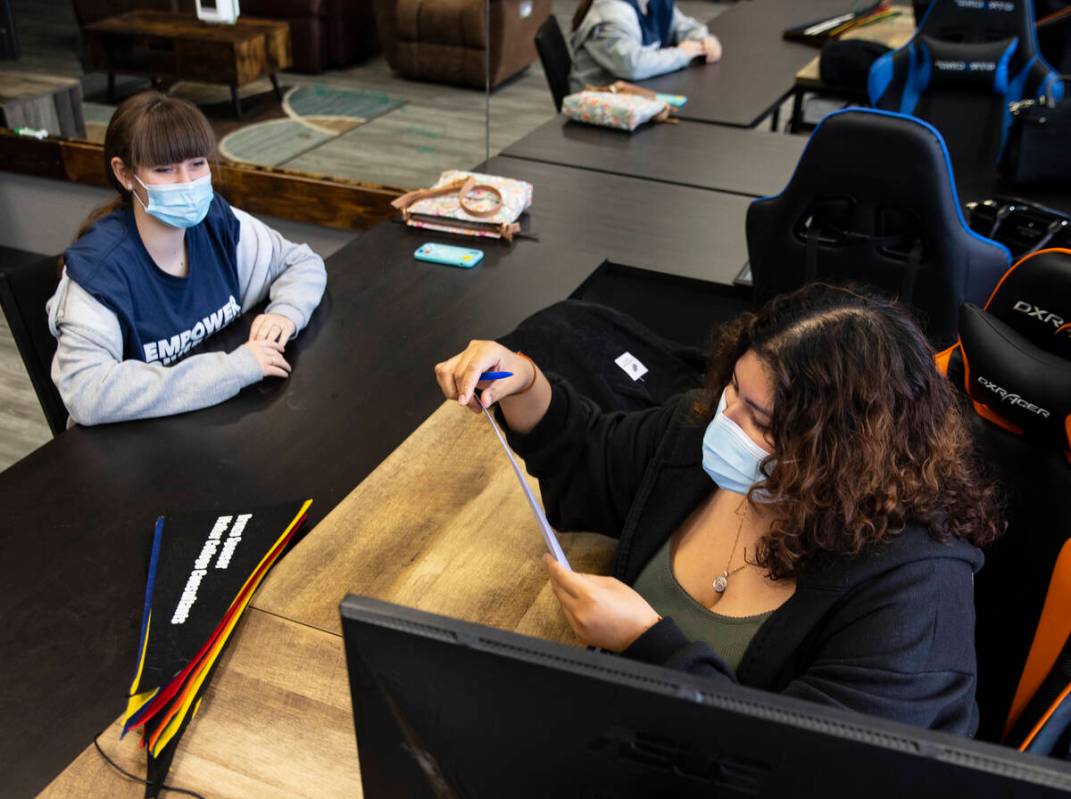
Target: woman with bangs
808, 524
158, 271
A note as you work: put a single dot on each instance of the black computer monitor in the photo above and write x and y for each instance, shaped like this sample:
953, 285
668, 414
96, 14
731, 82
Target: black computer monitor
448, 709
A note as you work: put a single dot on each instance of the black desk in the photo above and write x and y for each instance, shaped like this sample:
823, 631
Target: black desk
79, 511
985, 184
758, 68
674, 229
714, 157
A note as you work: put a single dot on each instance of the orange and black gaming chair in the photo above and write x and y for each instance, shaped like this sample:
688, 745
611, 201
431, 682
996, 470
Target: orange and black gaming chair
1014, 354
1039, 720
1013, 360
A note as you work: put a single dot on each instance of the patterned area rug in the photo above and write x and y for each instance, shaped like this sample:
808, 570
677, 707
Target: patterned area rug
315, 115
269, 133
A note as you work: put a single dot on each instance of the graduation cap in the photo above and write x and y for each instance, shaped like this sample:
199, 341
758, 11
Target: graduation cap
203, 571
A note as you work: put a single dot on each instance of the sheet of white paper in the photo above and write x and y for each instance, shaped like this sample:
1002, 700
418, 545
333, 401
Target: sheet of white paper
549, 537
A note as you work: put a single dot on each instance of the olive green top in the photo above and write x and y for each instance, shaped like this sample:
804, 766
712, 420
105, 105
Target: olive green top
728, 636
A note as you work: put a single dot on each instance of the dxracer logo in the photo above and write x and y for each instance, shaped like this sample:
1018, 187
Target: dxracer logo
1014, 399
1040, 314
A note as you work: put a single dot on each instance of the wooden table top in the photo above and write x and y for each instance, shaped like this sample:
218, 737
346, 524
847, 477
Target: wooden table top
716, 157
677, 230
429, 528
184, 26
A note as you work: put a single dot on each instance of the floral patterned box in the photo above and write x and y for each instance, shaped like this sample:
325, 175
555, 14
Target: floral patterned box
445, 213
611, 109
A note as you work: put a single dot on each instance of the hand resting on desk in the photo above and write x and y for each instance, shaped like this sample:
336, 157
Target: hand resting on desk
709, 48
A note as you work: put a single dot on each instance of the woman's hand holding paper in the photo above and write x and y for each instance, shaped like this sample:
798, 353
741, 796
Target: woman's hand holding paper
602, 611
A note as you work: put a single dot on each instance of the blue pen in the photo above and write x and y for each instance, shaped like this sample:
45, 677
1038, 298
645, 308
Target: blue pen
495, 375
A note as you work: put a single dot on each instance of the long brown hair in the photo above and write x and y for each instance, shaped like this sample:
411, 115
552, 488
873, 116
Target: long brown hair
150, 129
867, 435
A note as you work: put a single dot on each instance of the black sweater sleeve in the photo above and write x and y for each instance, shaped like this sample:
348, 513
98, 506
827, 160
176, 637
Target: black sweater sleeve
900, 647
589, 463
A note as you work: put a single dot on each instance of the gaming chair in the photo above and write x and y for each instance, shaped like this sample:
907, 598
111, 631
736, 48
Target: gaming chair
1013, 361
968, 60
873, 200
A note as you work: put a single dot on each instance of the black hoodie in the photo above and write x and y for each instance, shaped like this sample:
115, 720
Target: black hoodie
889, 632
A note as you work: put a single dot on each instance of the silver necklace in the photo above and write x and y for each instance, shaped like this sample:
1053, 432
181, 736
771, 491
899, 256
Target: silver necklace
721, 582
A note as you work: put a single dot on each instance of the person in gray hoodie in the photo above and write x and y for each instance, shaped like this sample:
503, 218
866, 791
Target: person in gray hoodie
161, 269
633, 40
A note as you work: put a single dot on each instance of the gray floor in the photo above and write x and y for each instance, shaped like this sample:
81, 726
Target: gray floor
22, 424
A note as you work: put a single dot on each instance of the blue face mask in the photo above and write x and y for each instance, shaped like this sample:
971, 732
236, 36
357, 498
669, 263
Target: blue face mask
730, 457
180, 205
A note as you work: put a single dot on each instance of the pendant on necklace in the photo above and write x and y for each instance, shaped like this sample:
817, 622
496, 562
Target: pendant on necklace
721, 582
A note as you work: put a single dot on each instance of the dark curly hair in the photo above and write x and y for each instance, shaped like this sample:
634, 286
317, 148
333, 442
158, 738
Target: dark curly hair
867, 435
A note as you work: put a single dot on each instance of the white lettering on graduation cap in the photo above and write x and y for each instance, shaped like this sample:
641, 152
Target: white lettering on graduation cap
232, 541
204, 558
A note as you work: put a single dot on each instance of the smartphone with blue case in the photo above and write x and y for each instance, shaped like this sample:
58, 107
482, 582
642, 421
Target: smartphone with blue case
675, 100
447, 255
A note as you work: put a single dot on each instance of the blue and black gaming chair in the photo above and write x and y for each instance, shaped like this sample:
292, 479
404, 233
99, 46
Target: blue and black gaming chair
873, 200
968, 60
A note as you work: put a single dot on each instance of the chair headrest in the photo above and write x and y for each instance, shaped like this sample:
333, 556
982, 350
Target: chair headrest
954, 65
873, 197
979, 20
1013, 383
1034, 299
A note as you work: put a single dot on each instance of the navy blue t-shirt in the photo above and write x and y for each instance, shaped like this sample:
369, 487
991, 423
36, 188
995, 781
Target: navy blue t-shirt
162, 317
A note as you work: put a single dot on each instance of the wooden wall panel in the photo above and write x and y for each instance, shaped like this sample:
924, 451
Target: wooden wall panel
315, 199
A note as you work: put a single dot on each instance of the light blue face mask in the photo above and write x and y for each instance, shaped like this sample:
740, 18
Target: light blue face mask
730, 457
180, 205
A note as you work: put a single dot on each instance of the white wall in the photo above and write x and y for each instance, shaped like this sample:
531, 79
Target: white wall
42, 215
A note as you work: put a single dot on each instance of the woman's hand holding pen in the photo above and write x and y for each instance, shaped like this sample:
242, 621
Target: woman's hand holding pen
459, 377
524, 389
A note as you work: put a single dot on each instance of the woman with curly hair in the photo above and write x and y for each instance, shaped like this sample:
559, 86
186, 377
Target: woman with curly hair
808, 524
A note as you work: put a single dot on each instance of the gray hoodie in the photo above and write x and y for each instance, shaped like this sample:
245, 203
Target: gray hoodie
97, 385
608, 46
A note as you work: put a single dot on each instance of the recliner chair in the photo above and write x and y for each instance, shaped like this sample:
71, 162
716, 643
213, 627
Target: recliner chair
965, 64
873, 200
444, 40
